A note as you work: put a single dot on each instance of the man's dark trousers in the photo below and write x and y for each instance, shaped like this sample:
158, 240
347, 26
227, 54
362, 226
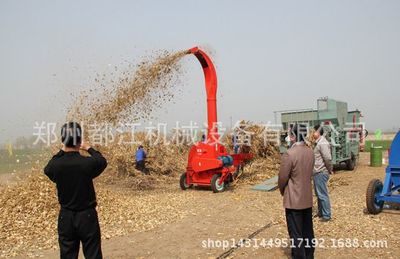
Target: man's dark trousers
300, 228
140, 165
79, 226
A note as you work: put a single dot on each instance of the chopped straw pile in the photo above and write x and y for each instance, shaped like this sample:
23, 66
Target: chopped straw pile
266, 155
28, 218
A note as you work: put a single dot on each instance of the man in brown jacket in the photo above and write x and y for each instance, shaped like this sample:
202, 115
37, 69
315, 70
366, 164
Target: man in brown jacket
295, 186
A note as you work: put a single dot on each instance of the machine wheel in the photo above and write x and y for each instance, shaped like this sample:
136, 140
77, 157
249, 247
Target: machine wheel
351, 163
214, 184
374, 190
183, 183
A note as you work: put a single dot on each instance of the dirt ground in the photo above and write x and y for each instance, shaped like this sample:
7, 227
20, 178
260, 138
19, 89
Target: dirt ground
239, 212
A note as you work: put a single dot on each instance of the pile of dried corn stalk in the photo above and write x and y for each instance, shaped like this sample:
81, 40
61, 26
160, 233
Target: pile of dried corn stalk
28, 217
266, 155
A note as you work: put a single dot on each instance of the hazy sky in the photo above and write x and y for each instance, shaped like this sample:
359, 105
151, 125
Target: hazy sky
270, 55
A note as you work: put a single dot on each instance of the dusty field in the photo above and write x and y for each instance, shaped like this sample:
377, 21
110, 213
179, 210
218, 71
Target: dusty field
239, 212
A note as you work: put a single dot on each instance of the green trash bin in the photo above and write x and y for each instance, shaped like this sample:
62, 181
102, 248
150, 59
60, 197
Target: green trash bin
376, 156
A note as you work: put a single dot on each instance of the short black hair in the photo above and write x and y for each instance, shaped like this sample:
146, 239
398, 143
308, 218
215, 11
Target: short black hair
299, 131
71, 134
319, 128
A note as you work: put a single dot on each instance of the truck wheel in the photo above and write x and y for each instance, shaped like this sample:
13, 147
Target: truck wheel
373, 191
351, 163
183, 183
214, 184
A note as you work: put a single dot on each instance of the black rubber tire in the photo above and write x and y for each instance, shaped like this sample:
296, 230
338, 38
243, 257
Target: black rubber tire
182, 182
373, 207
214, 184
351, 163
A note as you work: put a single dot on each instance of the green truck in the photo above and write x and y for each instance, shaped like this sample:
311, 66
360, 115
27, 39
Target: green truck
343, 128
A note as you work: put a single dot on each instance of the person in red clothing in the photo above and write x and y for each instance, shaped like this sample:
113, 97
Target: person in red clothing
73, 175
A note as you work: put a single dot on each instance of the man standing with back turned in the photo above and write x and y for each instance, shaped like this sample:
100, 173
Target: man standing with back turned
295, 185
73, 175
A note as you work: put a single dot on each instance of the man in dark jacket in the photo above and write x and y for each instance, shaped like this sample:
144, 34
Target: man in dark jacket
294, 183
73, 175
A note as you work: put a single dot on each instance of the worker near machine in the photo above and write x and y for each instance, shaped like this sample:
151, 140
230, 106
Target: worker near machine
322, 168
235, 143
73, 175
294, 182
141, 160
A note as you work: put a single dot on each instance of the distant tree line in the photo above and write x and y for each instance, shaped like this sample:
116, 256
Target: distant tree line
24, 143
